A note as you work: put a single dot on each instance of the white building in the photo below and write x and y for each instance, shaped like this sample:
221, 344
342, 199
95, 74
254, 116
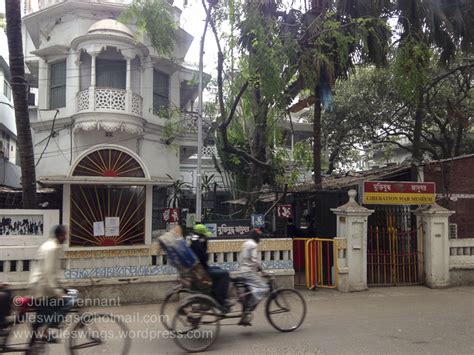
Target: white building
7, 116
100, 126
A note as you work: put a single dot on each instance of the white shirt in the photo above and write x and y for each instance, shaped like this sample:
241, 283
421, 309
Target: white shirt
249, 256
44, 279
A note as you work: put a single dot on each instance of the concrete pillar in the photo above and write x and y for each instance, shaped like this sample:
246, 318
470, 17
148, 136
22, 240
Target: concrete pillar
128, 79
352, 227
73, 83
93, 80
433, 240
93, 76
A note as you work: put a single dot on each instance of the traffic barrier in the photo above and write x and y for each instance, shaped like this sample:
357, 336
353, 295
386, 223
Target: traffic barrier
316, 257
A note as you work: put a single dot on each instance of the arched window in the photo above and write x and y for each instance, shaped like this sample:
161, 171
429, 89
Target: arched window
104, 214
109, 162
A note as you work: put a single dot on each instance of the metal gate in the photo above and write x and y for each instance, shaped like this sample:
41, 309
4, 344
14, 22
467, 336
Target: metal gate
314, 262
394, 252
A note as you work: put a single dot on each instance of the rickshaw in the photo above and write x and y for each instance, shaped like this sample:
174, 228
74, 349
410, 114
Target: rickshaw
197, 320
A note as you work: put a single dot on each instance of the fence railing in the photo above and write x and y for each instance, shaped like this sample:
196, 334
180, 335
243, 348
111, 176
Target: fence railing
87, 264
316, 258
461, 253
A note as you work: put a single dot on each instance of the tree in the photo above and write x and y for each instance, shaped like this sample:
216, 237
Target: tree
250, 89
20, 99
154, 19
369, 111
427, 25
284, 52
335, 35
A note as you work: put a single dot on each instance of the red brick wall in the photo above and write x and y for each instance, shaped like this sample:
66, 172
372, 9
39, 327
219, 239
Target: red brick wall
455, 177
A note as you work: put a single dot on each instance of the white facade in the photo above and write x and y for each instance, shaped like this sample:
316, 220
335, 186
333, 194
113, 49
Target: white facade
99, 87
7, 116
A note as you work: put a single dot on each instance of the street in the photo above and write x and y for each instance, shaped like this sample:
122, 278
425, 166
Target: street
398, 320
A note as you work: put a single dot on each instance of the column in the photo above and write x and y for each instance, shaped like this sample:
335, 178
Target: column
128, 86
433, 239
73, 82
128, 80
93, 81
93, 76
352, 237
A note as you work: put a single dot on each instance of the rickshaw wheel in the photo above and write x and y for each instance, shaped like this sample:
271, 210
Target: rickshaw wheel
196, 323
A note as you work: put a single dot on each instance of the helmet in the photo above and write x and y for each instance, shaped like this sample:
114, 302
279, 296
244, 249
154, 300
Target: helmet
202, 229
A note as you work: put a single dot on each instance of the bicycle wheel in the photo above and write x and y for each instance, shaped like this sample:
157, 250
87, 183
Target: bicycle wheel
98, 333
196, 324
168, 307
285, 309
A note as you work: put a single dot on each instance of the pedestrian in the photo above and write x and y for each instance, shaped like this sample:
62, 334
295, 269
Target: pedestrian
46, 288
291, 230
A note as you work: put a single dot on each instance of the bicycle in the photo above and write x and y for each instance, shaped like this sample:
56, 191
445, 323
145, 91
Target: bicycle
197, 320
85, 331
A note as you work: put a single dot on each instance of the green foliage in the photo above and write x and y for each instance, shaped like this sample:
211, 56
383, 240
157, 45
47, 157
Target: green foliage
411, 69
207, 182
176, 192
154, 19
303, 154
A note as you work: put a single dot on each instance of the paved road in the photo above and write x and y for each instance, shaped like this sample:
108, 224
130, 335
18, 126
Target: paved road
403, 320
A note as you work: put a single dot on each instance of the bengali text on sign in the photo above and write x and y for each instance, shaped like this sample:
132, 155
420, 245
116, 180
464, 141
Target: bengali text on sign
398, 193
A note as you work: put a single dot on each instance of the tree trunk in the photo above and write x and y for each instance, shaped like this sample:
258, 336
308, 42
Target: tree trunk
20, 100
417, 154
317, 139
332, 161
258, 150
458, 139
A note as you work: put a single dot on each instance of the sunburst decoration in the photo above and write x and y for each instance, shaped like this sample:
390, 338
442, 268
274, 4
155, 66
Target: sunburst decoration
109, 163
93, 203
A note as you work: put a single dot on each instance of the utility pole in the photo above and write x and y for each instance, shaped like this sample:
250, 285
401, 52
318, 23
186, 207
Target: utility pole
199, 124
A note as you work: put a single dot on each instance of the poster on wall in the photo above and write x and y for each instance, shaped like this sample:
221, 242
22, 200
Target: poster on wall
171, 215
99, 229
284, 211
258, 220
21, 225
112, 226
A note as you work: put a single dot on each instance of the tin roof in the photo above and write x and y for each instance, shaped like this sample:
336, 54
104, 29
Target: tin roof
354, 178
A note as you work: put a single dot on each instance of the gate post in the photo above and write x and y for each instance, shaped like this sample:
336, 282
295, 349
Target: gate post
352, 227
433, 235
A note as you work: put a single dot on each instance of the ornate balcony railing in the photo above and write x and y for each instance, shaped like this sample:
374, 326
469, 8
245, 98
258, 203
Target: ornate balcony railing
109, 100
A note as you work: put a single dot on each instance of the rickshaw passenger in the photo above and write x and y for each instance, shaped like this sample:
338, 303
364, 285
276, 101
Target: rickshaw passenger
183, 259
219, 276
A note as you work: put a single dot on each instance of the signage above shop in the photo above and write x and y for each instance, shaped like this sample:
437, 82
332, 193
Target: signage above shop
399, 193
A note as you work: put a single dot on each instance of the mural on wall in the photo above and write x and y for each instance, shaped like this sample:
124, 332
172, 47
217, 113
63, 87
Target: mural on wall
107, 215
21, 225
153, 270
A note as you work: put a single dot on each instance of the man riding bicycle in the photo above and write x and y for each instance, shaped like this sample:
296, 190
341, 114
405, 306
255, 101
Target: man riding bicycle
51, 307
249, 272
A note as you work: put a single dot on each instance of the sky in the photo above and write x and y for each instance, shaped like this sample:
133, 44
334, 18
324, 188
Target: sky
192, 21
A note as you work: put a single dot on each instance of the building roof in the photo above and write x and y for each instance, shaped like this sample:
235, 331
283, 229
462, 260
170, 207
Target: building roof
352, 179
466, 156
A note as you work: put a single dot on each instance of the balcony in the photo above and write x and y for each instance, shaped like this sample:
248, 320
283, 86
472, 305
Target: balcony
109, 100
122, 110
